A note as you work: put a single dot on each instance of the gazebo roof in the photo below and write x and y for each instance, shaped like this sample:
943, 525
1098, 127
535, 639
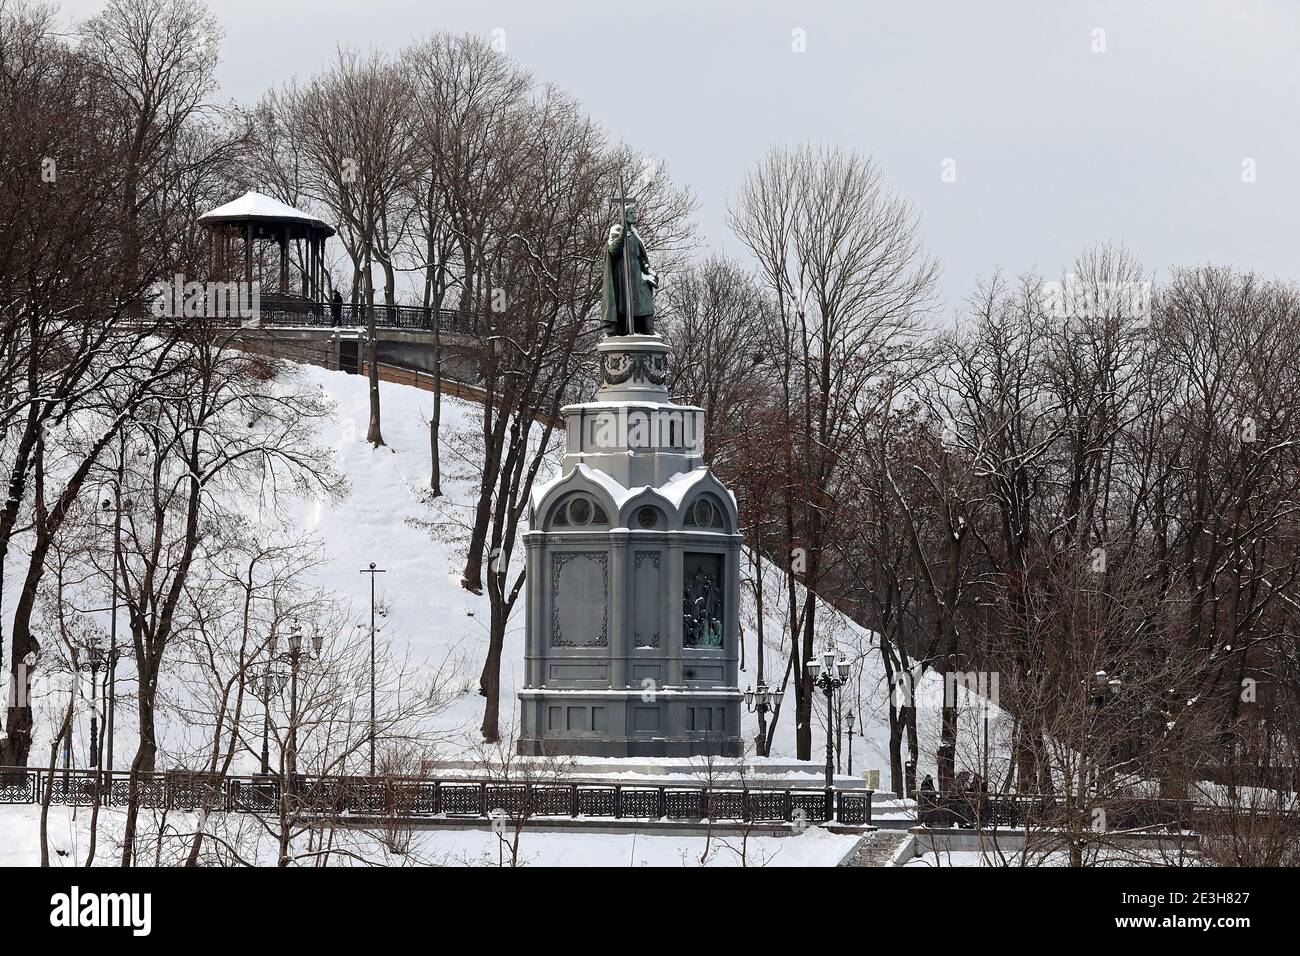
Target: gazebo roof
258, 207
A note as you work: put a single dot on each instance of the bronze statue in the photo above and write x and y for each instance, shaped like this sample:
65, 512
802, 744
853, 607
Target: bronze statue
628, 293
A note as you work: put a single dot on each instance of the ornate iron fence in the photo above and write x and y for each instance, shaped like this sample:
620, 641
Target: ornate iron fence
422, 797
988, 810
19, 787
408, 317
276, 311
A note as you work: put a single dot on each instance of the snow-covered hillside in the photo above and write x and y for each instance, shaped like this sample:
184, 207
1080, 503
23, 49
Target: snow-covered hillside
388, 518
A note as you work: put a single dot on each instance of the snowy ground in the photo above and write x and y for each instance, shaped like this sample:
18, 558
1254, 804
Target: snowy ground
69, 843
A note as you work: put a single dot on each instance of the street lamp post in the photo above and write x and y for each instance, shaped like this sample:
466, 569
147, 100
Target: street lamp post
762, 701
372, 571
115, 505
830, 673
850, 721
273, 682
95, 658
295, 649
985, 705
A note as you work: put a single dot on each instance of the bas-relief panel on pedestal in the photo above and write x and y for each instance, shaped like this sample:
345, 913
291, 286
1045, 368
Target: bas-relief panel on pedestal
702, 600
647, 599
579, 599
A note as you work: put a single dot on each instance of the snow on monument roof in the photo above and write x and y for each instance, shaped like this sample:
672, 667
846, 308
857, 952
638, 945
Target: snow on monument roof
674, 489
255, 205
616, 491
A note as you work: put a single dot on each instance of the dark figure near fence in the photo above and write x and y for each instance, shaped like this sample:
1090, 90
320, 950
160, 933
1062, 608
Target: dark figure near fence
925, 804
980, 799
964, 801
336, 309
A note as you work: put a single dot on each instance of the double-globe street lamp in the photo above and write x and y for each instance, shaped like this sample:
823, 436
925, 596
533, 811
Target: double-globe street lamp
829, 673
117, 508
97, 659
273, 682
765, 700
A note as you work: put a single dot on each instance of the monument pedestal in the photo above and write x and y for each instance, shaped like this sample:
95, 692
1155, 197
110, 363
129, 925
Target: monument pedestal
631, 633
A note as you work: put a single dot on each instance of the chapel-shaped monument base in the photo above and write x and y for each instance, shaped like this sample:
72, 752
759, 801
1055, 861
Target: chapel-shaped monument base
631, 631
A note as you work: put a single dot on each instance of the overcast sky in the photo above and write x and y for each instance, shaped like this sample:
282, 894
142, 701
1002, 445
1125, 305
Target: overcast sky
1055, 146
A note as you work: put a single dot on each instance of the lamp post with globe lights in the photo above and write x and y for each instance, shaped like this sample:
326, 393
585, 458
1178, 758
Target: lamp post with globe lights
115, 506
762, 701
96, 659
273, 682
830, 672
270, 683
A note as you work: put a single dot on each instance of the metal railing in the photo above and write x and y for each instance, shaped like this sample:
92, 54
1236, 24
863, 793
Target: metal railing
301, 312
281, 311
1009, 810
430, 797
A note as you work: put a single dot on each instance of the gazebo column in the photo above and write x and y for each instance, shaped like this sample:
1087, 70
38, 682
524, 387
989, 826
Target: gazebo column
284, 261
248, 254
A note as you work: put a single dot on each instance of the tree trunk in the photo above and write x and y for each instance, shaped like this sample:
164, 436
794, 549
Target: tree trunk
489, 682
908, 717
18, 725
435, 417
895, 751
472, 576
64, 729
803, 699
374, 434
895, 722
19, 679
143, 763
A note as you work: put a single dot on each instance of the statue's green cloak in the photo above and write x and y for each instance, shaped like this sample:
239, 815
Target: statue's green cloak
612, 291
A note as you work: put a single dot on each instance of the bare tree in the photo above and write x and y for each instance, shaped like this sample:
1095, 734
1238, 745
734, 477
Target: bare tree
716, 316
354, 138
841, 258
216, 432
467, 97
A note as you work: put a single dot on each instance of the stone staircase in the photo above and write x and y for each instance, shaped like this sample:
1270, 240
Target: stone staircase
875, 848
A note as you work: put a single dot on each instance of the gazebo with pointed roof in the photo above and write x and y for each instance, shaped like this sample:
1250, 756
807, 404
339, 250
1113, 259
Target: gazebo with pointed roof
255, 217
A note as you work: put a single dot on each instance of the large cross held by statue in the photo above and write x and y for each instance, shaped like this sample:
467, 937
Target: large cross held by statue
637, 287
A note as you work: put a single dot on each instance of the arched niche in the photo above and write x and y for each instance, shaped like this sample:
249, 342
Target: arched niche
706, 512
577, 511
